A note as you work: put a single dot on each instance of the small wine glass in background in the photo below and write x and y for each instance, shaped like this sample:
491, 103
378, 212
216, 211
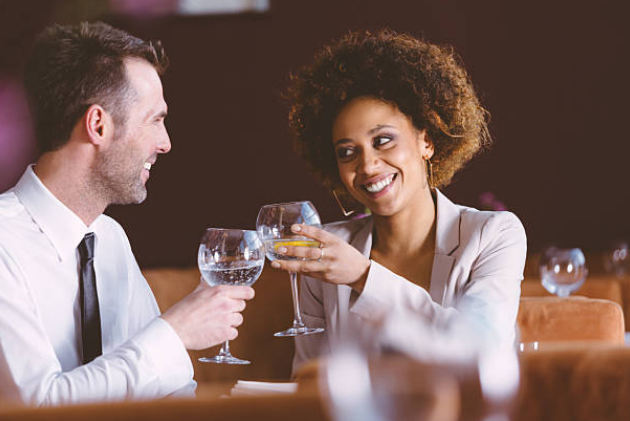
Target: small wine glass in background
230, 257
617, 259
563, 271
274, 225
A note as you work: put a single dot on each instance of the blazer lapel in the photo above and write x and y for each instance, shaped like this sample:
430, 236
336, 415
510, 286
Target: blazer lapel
362, 241
446, 242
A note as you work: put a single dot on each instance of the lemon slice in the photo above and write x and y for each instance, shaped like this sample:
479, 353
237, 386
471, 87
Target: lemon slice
296, 243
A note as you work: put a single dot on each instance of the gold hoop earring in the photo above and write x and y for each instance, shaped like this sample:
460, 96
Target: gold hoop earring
345, 212
430, 172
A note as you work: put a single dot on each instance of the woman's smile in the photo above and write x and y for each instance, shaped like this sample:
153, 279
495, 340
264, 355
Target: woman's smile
379, 186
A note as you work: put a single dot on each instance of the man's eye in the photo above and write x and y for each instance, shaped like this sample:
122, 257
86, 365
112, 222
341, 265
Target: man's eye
381, 140
344, 153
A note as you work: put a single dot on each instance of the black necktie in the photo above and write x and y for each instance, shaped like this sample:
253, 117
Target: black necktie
90, 313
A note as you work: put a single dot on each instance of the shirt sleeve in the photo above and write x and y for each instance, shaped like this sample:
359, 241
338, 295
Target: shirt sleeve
488, 301
152, 363
173, 360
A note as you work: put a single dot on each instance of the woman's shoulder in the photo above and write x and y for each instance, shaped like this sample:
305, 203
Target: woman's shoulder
491, 228
484, 219
471, 219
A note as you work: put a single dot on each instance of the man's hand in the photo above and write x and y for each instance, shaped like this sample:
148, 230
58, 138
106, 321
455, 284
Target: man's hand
209, 315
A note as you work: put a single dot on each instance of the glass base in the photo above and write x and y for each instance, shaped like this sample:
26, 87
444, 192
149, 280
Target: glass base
223, 359
298, 331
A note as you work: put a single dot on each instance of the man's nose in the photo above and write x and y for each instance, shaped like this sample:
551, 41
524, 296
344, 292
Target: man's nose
164, 145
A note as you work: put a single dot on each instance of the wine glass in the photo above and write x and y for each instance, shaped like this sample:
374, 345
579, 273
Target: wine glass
563, 271
274, 225
617, 259
230, 257
393, 388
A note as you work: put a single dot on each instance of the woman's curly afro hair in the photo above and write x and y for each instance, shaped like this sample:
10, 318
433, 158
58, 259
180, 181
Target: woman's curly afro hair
425, 82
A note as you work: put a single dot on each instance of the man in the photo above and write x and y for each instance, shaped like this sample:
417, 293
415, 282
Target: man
78, 322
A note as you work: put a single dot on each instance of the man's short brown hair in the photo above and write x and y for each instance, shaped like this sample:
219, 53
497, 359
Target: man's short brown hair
74, 67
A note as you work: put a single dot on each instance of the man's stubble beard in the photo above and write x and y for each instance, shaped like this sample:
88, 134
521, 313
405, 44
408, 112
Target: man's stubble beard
116, 178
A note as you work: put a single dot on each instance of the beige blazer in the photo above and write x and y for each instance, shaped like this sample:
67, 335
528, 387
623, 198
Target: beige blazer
476, 276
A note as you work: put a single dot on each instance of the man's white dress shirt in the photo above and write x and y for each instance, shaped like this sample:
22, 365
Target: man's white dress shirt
40, 322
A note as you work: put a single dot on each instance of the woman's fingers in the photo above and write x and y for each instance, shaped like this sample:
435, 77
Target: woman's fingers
299, 266
315, 233
310, 253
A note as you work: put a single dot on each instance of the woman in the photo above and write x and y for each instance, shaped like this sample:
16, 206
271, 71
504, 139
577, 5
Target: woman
385, 119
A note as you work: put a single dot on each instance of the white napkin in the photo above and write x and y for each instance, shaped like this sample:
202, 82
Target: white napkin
248, 388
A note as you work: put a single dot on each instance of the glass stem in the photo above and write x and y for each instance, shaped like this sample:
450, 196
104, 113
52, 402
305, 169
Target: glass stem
225, 349
297, 318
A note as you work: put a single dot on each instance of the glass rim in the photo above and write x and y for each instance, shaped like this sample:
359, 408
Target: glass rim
228, 229
286, 203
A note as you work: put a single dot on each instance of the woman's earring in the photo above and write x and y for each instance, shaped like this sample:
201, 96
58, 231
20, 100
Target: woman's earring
345, 212
430, 172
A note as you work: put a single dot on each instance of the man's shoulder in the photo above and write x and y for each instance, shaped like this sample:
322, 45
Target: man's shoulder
13, 215
10, 206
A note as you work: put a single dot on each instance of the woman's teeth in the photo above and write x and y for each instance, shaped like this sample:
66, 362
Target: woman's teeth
377, 187
147, 166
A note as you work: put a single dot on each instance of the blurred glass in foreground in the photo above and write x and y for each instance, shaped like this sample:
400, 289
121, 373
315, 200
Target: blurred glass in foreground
374, 375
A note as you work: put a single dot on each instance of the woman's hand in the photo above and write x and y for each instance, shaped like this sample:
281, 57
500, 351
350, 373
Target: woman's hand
334, 261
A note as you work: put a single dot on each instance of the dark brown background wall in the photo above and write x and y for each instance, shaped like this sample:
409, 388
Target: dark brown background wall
554, 77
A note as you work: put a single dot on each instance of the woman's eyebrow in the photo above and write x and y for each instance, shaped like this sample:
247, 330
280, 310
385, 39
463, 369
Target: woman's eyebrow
379, 127
370, 133
344, 140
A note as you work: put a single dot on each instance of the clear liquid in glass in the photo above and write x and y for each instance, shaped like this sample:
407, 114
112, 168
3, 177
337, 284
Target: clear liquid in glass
231, 273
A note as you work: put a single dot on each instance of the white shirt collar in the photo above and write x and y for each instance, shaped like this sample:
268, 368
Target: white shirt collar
64, 228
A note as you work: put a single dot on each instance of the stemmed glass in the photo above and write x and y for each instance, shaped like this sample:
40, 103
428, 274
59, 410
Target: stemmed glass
617, 259
274, 225
563, 271
230, 257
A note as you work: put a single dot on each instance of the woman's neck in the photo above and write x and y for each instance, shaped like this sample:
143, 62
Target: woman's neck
408, 232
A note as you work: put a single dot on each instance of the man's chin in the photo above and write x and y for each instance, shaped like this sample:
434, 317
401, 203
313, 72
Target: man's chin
132, 198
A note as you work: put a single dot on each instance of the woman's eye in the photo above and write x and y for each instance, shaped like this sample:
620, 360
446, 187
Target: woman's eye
381, 140
344, 153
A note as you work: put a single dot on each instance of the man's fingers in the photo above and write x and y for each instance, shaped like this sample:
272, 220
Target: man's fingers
239, 292
235, 319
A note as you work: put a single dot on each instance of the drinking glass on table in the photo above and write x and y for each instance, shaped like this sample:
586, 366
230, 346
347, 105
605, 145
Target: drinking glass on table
617, 259
563, 271
274, 225
230, 257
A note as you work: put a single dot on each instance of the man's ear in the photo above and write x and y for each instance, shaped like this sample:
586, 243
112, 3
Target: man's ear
97, 123
426, 145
